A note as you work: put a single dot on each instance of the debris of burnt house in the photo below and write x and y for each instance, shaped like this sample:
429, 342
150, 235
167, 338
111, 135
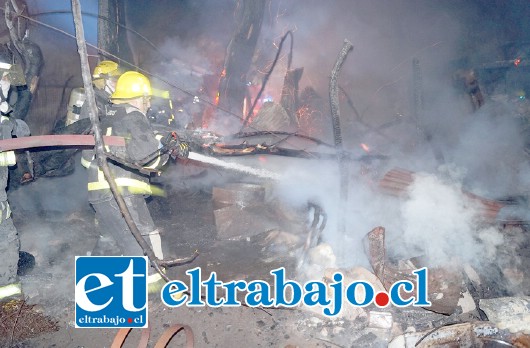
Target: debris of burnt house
289, 178
311, 114
239, 55
445, 286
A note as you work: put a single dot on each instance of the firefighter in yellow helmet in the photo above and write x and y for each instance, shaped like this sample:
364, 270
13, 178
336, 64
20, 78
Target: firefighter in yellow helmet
104, 78
126, 117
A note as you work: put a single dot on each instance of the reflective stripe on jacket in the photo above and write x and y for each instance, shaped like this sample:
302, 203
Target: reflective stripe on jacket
5, 211
10, 290
140, 142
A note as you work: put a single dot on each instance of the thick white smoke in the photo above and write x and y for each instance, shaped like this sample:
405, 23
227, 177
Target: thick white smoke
440, 222
481, 152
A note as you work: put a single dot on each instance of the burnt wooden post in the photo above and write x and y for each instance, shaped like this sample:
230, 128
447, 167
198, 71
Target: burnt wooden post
239, 53
112, 37
337, 135
289, 97
268, 75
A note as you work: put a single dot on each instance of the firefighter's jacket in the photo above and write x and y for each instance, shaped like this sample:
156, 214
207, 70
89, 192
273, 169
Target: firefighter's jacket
102, 103
8, 127
140, 141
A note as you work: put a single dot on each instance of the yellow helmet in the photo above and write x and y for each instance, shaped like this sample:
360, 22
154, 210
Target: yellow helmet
106, 69
132, 84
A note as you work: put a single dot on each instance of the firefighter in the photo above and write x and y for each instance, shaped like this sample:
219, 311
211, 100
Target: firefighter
18, 98
9, 241
104, 78
126, 117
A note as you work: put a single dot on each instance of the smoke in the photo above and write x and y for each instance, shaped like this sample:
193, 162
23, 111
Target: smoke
183, 66
491, 149
386, 36
61, 195
481, 152
440, 222
51, 217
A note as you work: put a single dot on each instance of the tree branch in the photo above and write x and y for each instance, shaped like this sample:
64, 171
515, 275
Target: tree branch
99, 148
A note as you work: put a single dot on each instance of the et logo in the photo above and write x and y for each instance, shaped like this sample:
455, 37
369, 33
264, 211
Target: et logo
111, 291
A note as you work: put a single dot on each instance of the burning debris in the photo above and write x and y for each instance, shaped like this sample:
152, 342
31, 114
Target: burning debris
262, 207
445, 285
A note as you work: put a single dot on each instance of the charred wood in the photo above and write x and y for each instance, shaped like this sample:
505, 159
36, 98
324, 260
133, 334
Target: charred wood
263, 149
266, 78
272, 117
232, 87
111, 37
445, 286
289, 97
312, 115
337, 134
260, 133
314, 235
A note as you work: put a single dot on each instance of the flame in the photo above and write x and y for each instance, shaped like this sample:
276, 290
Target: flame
365, 147
306, 117
216, 100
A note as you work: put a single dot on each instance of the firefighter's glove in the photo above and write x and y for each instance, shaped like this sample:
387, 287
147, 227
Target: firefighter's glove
176, 148
170, 141
4, 108
182, 150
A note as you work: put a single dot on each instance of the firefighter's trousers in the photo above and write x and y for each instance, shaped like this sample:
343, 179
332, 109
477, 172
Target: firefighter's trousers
115, 234
9, 249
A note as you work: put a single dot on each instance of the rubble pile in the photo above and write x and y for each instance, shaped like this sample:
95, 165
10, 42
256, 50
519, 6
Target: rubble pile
263, 209
20, 321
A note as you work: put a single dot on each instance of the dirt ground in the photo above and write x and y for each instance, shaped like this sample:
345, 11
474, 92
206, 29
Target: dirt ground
55, 232
56, 224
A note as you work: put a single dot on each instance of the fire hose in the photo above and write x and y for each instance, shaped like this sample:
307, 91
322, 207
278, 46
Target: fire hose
162, 342
56, 141
71, 140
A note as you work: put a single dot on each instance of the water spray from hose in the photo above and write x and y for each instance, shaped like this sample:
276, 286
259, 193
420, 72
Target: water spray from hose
262, 173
